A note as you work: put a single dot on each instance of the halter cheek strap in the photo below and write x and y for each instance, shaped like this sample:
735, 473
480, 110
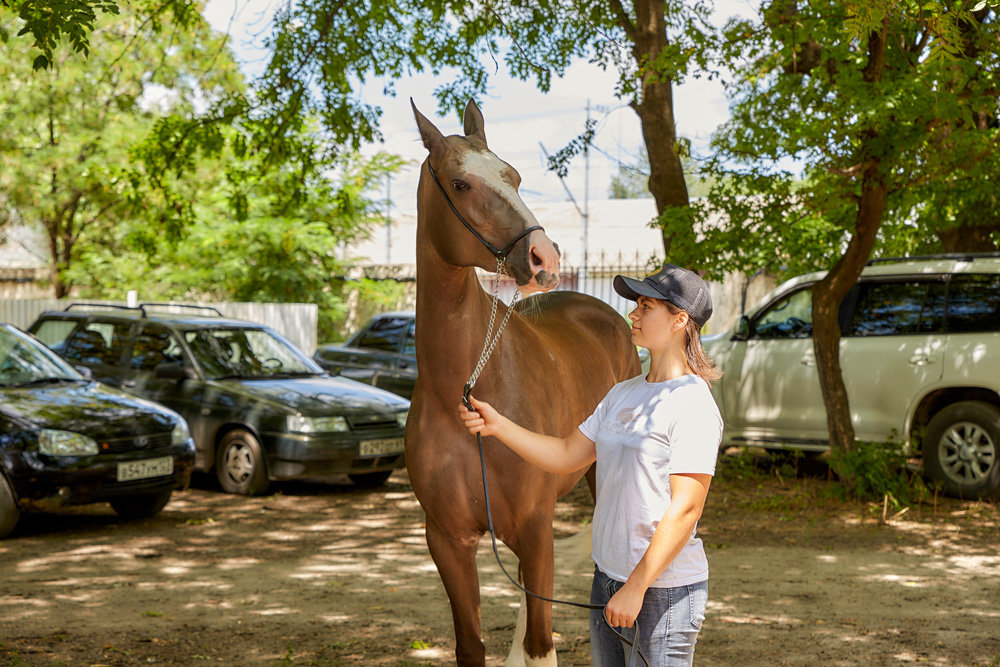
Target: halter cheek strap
499, 254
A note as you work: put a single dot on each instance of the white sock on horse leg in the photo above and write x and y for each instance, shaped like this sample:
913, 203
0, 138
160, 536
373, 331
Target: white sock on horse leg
517, 657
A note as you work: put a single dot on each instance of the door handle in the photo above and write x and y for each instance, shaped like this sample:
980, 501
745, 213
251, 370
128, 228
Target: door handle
808, 360
128, 383
920, 360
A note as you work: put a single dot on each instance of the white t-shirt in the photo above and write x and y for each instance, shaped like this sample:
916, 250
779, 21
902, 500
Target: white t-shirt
644, 432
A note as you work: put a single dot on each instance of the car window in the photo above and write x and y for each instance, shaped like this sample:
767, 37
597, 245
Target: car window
409, 343
22, 360
246, 353
974, 303
790, 317
54, 332
154, 347
386, 334
898, 308
96, 343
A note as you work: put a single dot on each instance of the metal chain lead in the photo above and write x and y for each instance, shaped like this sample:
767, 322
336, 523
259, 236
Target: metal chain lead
491, 340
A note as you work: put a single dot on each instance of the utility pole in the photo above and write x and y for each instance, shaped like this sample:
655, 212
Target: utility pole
586, 198
388, 219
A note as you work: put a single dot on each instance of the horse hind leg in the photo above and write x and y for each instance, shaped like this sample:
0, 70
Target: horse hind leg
456, 563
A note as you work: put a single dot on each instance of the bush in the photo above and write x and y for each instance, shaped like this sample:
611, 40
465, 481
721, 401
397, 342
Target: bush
876, 470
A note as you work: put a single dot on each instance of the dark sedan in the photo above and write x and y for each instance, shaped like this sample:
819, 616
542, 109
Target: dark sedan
67, 440
259, 409
382, 353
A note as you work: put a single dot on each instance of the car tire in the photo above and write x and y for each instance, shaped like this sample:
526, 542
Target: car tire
369, 480
962, 449
239, 464
9, 511
140, 506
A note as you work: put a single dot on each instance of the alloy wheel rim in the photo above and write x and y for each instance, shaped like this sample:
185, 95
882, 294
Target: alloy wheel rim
239, 462
967, 452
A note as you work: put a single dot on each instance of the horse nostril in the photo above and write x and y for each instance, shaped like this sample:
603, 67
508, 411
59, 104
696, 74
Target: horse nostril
535, 259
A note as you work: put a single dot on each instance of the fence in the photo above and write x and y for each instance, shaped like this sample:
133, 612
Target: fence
295, 321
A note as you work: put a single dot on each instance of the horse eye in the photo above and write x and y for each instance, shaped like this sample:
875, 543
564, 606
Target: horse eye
460, 185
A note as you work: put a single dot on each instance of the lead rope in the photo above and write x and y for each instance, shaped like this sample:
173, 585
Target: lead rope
635, 654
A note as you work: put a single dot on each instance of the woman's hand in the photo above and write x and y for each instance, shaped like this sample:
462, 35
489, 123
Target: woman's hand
482, 419
624, 606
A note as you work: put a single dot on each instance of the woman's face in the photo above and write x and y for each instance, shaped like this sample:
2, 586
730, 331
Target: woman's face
653, 325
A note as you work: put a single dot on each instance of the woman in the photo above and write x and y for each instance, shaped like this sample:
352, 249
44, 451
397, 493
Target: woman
655, 440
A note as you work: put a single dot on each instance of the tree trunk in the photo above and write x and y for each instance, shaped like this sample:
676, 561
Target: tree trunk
655, 108
829, 293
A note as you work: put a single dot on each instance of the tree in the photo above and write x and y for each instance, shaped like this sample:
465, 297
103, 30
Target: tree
883, 104
632, 180
69, 129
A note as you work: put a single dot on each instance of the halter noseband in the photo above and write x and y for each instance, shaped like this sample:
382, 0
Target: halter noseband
499, 254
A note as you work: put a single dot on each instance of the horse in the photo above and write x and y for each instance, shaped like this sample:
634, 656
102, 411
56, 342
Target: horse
557, 357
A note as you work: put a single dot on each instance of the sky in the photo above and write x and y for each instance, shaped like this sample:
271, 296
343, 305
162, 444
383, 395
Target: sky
518, 116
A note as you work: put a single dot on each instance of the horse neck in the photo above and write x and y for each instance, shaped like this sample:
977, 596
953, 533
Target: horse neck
453, 311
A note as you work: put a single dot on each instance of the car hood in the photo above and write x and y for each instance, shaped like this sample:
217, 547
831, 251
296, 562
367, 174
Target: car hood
319, 394
90, 408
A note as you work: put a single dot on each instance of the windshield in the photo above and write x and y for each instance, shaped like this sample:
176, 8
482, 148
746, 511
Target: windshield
247, 353
24, 361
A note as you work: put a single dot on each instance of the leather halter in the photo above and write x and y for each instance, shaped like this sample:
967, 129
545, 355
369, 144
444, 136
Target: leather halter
499, 254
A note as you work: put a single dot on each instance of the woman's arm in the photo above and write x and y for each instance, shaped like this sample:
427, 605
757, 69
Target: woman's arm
551, 454
687, 500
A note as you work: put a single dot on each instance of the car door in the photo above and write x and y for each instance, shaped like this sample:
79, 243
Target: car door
772, 389
404, 366
153, 346
892, 350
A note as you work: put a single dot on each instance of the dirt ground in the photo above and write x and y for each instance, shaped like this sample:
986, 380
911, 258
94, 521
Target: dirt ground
335, 575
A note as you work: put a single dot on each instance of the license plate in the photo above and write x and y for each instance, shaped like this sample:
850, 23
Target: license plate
380, 447
130, 470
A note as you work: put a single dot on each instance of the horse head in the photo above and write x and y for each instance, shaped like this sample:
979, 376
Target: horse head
487, 217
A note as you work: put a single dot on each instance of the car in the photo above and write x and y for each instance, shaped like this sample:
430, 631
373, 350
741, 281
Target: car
919, 354
259, 408
67, 440
382, 353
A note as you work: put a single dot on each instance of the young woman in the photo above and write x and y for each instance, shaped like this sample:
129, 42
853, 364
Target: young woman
655, 440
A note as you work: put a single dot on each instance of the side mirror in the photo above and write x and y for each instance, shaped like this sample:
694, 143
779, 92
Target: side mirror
742, 328
174, 371
87, 374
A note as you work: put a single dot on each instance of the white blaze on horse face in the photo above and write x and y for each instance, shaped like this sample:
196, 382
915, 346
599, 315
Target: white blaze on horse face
490, 169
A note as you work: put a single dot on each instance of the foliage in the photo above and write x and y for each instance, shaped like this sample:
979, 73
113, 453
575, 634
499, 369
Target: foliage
632, 179
879, 470
65, 145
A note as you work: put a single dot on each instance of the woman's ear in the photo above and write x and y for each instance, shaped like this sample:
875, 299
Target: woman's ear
681, 322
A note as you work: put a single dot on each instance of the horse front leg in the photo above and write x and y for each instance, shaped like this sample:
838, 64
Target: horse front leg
456, 563
532, 645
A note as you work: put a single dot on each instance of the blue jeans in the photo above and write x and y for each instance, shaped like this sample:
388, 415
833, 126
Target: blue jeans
668, 622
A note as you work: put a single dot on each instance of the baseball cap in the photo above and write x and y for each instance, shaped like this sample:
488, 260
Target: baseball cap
685, 289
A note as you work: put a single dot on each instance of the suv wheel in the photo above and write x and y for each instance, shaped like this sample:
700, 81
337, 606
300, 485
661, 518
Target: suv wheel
142, 506
9, 512
962, 449
239, 464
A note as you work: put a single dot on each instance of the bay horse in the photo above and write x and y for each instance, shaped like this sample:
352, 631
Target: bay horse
557, 357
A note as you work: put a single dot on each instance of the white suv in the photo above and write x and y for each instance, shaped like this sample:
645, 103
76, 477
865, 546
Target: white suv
920, 355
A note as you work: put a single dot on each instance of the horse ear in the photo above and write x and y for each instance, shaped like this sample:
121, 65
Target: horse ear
475, 126
431, 136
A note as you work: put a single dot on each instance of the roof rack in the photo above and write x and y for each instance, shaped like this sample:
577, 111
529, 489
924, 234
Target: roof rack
160, 304
105, 305
962, 256
143, 306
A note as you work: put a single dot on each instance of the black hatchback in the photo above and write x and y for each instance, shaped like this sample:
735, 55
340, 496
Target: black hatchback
259, 409
67, 440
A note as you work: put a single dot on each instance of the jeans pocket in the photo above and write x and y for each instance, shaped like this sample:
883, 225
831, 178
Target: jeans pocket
698, 598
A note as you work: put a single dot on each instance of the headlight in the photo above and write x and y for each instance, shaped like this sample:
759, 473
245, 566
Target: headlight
300, 424
401, 418
180, 434
65, 443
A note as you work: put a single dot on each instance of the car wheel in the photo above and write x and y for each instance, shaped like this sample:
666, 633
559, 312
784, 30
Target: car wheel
962, 449
370, 480
240, 465
141, 506
9, 512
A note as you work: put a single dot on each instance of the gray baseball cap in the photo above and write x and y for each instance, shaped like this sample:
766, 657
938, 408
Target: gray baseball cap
685, 289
